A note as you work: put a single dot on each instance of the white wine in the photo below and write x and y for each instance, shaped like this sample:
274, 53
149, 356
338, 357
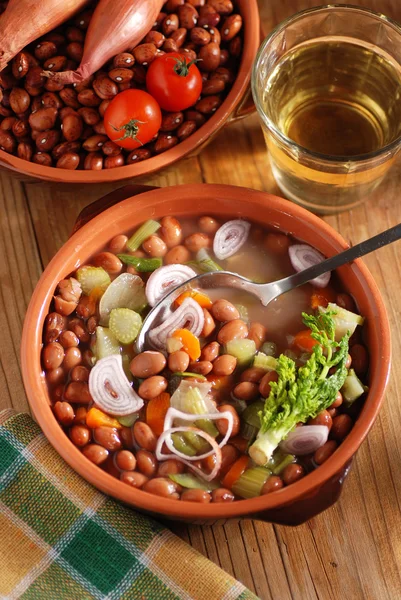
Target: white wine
340, 99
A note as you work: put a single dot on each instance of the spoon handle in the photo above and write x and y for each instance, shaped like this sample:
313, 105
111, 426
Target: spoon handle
374, 243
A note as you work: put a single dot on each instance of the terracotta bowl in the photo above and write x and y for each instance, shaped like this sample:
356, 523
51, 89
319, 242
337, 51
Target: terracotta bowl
237, 105
292, 505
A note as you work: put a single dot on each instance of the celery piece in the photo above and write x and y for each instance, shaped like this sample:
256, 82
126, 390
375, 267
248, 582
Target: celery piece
106, 343
198, 442
125, 324
182, 445
262, 361
239, 405
251, 414
269, 348
128, 420
290, 354
187, 480
344, 320
142, 265
187, 374
353, 388
126, 363
205, 263
242, 350
250, 484
243, 312
173, 345
91, 278
249, 432
142, 234
279, 461
207, 426
125, 291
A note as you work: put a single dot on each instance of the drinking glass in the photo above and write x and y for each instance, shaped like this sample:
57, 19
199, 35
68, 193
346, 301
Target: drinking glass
327, 87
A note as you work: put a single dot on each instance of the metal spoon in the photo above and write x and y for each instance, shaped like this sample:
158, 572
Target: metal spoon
266, 292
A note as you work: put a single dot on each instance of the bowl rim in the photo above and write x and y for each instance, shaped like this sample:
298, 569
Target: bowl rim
182, 149
37, 394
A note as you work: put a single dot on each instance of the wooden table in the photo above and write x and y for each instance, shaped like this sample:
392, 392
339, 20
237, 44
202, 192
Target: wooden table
353, 550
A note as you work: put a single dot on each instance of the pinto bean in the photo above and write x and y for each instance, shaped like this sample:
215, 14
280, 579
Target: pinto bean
108, 261
197, 241
19, 100
246, 391
134, 479
292, 473
52, 355
324, 452
209, 57
264, 385
222, 424
154, 246
144, 436
257, 333
79, 435
69, 161
224, 365
161, 486
360, 359
64, 413
152, 387
209, 324
95, 453
107, 437
147, 364
233, 330
170, 467
342, 425
210, 352
222, 310
78, 392
272, 484
201, 496
188, 16
323, 418
146, 462
72, 127
253, 374
202, 367
178, 361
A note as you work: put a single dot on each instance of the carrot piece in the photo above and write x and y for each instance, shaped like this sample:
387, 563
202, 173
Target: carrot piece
199, 297
235, 472
97, 418
190, 342
322, 298
304, 341
156, 412
240, 443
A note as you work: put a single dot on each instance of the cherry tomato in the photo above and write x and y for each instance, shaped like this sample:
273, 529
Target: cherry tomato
132, 119
174, 81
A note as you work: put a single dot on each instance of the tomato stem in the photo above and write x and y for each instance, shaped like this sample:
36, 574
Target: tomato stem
182, 67
130, 129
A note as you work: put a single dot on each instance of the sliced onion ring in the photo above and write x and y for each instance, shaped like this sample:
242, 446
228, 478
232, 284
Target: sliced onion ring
110, 388
165, 279
305, 440
302, 257
174, 413
189, 316
230, 237
186, 460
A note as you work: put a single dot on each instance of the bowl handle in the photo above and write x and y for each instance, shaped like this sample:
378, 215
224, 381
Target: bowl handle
97, 207
308, 506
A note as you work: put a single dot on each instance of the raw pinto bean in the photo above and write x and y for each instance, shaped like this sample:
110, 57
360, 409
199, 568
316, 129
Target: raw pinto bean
154, 246
342, 425
324, 452
83, 85
20, 65
72, 127
273, 483
210, 352
99, 128
144, 436
32, 91
185, 130
200, 36
86, 307
147, 364
348, 362
209, 324
73, 34
145, 54
177, 255
346, 301
215, 38
179, 36
231, 27
323, 418
246, 391
65, 148
66, 110
194, 115
188, 16
159, 20
164, 142
35, 79
229, 455
171, 231
87, 97
161, 486
121, 75
222, 495
223, 7
253, 374
79, 373
75, 51
211, 87
209, 57
110, 162
123, 60
189, 54
222, 424
208, 105
7, 123
55, 376
70, 97
95, 453
55, 324
82, 20
293, 473
125, 460
64, 413
43, 119
138, 155
118, 243
47, 140
169, 45
209, 21
56, 38
338, 401
235, 47
222, 310
79, 435
52, 86
203, 367
360, 359
172, 5
51, 99
196, 241
225, 74
93, 162
72, 358
178, 361
170, 467
171, 121
110, 262
169, 25
55, 63
80, 415
92, 323
21, 128
105, 87
94, 143
25, 151
233, 330
45, 50
152, 387
127, 437
264, 385
52, 355
146, 462
201, 496
257, 333
107, 437
224, 365
19, 100
208, 225
78, 391
89, 115
134, 479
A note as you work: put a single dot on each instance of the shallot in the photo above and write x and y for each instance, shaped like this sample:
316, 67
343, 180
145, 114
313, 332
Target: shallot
305, 440
302, 257
165, 279
115, 26
230, 238
189, 316
24, 21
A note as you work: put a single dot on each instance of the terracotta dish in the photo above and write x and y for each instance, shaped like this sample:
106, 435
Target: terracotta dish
292, 505
238, 104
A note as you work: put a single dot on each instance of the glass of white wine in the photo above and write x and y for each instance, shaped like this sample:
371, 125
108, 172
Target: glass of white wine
327, 87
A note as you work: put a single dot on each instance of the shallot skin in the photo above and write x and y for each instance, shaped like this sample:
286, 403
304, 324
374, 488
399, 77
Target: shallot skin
24, 21
115, 26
